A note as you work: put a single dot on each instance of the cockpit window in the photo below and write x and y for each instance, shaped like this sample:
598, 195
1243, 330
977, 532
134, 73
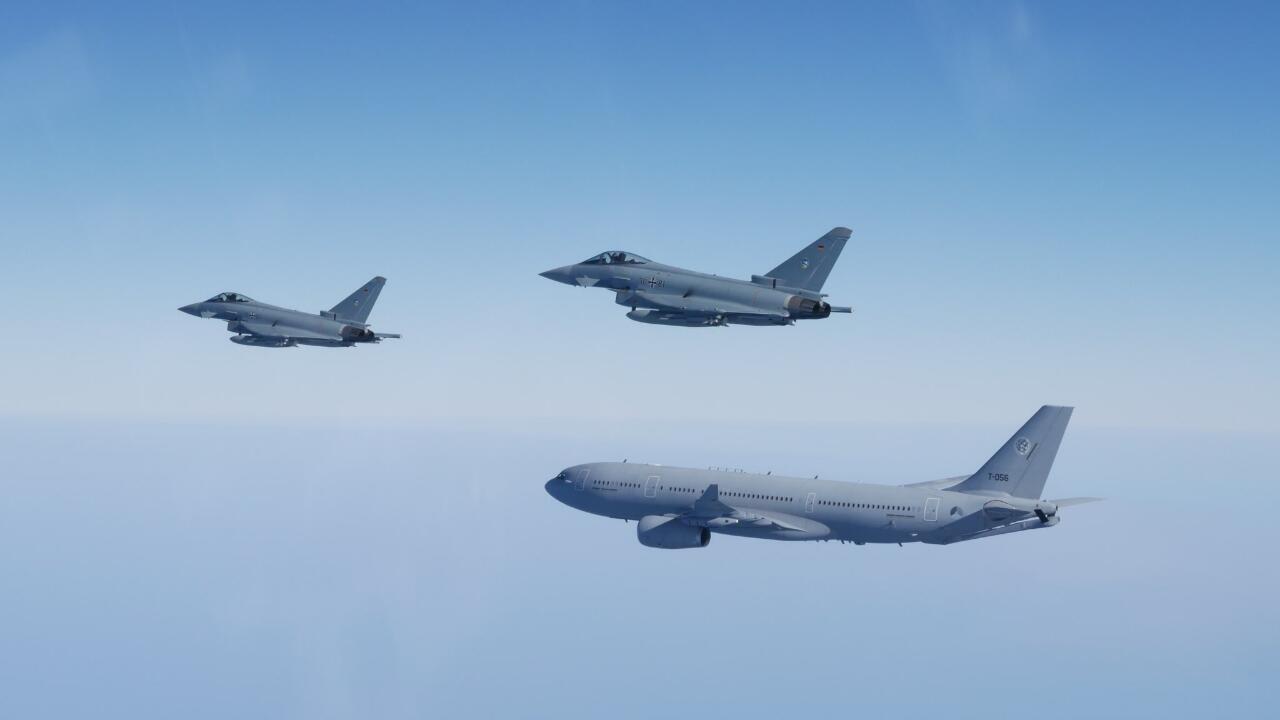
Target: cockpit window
615, 257
230, 297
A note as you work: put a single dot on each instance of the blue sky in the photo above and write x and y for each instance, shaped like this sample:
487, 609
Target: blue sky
1048, 204
1065, 204
1051, 202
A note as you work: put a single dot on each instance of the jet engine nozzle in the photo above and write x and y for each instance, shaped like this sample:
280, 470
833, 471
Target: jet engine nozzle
351, 332
808, 308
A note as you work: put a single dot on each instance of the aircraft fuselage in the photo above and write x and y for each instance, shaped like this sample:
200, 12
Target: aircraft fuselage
814, 509
248, 319
664, 294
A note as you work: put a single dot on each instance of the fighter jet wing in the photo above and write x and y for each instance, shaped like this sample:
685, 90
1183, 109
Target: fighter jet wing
710, 511
262, 329
705, 306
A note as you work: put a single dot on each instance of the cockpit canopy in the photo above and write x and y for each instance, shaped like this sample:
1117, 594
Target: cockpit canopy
230, 297
615, 257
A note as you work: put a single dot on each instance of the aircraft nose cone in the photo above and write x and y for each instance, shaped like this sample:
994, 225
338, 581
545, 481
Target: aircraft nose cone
558, 487
560, 275
190, 310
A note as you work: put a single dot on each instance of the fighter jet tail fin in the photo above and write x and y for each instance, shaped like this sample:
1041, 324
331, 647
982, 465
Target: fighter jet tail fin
809, 268
358, 304
1021, 466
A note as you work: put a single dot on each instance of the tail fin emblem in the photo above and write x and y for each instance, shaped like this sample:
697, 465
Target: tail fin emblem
1022, 446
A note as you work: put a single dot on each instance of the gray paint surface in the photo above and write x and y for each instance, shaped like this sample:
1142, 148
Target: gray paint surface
680, 507
258, 324
668, 295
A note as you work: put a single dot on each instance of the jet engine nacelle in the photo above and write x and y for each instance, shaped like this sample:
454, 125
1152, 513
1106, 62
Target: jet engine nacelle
670, 533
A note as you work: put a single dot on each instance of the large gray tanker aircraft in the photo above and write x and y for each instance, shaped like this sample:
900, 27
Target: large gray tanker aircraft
262, 325
681, 507
668, 295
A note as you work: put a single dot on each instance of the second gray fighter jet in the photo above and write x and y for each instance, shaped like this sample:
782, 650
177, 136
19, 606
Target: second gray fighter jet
668, 295
261, 325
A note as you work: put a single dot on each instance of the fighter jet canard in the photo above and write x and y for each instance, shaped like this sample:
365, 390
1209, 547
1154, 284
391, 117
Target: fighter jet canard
681, 507
261, 325
668, 295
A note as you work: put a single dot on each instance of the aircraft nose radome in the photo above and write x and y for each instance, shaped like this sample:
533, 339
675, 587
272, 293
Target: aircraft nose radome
190, 310
560, 275
552, 488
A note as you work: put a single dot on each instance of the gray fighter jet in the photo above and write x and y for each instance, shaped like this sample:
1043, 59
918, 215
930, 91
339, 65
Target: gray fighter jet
667, 295
262, 325
681, 507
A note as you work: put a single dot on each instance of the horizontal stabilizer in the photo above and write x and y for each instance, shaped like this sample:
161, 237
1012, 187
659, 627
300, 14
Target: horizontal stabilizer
1068, 502
1021, 525
942, 484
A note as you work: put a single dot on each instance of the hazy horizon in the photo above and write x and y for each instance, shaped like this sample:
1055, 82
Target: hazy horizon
212, 571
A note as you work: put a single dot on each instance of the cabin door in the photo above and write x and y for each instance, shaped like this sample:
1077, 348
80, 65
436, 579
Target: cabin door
580, 482
651, 486
931, 509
